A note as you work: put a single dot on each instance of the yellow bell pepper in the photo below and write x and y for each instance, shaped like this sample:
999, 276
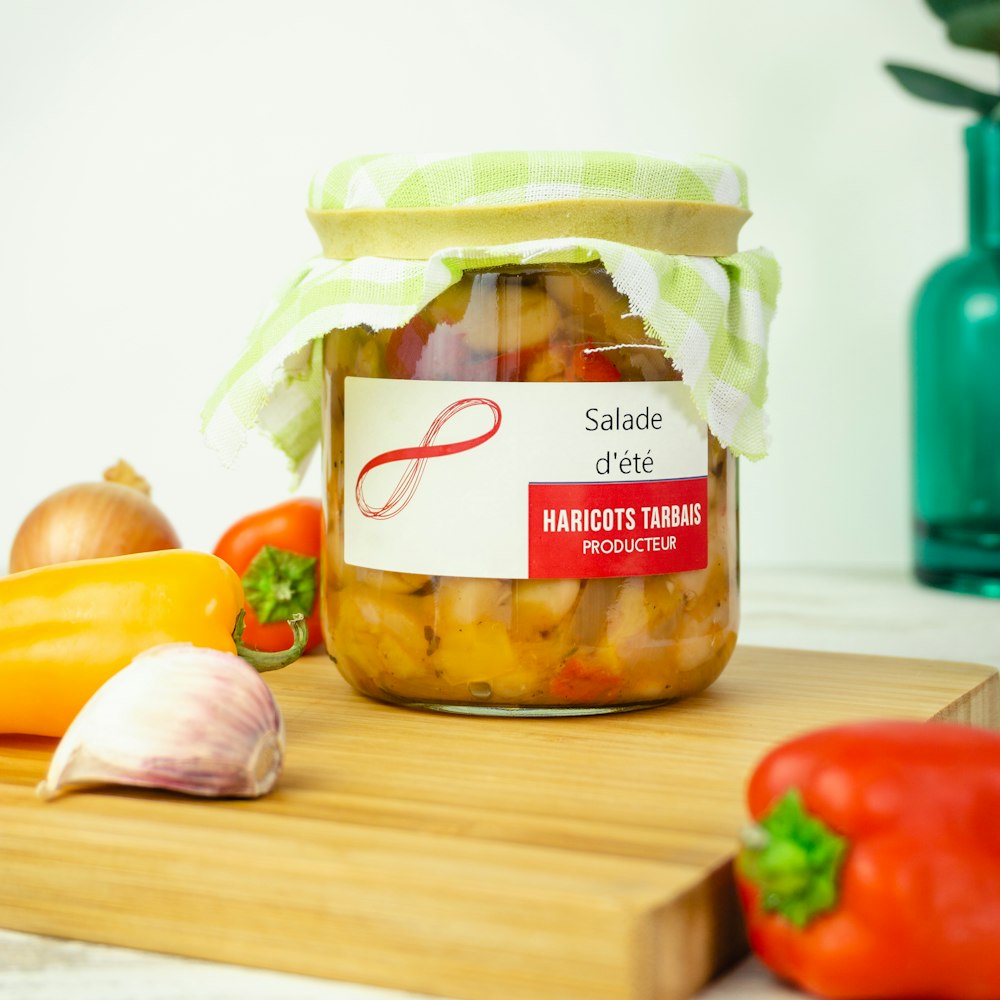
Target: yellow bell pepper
65, 629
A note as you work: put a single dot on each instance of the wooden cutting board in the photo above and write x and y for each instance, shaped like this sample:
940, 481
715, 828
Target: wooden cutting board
468, 857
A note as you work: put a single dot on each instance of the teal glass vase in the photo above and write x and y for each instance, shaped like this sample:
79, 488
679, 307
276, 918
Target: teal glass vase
956, 397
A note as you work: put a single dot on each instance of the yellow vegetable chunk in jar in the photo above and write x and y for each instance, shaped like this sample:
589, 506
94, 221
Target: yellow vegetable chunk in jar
474, 652
540, 605
464, 601
382, 632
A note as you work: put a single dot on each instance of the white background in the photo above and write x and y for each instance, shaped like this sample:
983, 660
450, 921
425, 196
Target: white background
154, 159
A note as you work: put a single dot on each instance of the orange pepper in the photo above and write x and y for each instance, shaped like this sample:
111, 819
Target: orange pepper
65, 629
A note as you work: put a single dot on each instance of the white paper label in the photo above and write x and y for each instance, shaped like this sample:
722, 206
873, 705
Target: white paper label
516, 480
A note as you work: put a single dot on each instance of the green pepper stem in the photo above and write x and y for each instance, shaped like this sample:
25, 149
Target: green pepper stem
263, 661
794, 859
279, 584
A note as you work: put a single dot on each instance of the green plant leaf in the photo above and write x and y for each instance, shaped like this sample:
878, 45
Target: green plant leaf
945, 8
976, 26
942, 90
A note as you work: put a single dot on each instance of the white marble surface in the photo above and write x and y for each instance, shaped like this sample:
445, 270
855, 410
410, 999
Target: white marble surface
867, 612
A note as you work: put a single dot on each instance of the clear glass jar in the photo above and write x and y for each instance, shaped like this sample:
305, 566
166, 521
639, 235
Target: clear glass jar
615, 631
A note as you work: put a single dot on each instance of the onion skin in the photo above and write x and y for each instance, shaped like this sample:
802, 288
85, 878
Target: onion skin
90, 521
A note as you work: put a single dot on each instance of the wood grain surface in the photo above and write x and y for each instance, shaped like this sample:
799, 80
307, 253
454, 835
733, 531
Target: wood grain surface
467, 857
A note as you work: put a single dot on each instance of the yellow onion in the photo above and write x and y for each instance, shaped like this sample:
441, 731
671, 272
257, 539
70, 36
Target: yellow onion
114, 517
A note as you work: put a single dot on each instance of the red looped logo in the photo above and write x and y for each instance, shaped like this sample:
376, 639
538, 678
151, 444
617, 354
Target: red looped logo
417, 457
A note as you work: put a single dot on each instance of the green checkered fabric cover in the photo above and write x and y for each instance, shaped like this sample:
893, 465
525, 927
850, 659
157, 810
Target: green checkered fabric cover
711, 314
407, 181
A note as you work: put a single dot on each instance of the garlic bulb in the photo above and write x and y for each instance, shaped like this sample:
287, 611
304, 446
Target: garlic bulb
178, 717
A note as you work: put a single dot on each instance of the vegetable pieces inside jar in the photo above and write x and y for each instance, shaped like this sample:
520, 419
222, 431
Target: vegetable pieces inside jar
526, 643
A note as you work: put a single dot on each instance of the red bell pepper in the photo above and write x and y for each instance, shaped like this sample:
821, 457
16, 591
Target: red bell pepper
276, 553
873, 870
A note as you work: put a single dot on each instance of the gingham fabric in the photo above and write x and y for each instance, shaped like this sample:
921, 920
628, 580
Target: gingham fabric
711, 314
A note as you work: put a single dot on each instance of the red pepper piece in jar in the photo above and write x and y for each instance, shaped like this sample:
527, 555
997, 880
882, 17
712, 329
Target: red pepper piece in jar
405, 347
874, 868
591, 365
419, 350
581, 683
276, 553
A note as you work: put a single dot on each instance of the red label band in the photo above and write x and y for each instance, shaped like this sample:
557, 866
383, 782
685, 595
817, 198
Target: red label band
591, 530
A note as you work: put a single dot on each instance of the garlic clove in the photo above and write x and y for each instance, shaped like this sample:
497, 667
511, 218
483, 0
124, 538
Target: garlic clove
180, 718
